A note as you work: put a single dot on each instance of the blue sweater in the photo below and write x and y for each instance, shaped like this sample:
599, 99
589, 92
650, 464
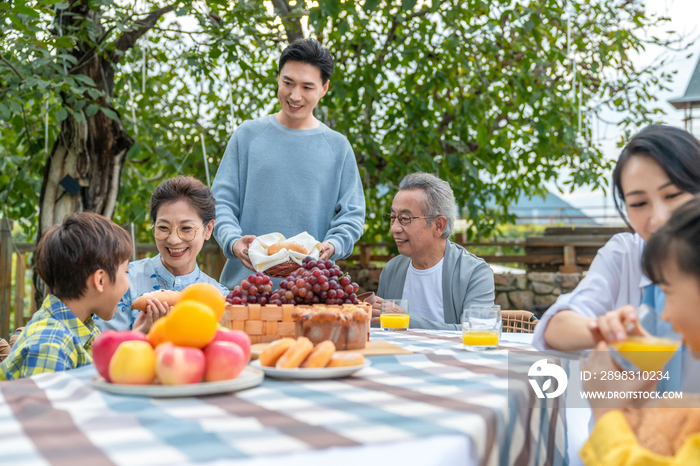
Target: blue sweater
277, 179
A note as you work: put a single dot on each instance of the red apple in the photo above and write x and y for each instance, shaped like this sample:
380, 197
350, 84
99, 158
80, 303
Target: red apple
237, 336
179, 365
106, 344
225, 360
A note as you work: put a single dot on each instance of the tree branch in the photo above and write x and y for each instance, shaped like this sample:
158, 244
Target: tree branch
90, 54
129, 38
282, 8
11, 67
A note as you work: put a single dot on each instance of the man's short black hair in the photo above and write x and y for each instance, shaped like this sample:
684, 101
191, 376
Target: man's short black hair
311, 52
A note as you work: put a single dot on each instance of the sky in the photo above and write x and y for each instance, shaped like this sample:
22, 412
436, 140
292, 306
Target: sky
683, 15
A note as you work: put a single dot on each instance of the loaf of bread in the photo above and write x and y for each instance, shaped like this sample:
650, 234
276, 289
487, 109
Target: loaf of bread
345, 326
288, 245
164, 296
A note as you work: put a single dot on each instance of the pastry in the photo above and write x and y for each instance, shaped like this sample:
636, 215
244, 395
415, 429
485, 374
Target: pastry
170, 297
320, 355
347, 326
295, 355
272, 353
346, 359
288, 245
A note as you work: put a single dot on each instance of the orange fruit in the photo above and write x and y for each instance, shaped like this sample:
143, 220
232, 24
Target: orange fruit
158, 334
191, 323
208, 294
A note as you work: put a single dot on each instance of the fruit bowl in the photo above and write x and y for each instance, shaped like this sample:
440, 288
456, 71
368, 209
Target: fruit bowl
249, 378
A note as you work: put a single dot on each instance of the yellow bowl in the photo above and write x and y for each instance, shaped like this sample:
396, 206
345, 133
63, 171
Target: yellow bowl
647, 353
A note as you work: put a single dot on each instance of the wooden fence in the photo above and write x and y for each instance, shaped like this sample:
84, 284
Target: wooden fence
17, 289
559, 250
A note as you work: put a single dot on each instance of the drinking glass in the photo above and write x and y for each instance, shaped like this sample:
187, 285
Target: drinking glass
393, 315
481, 327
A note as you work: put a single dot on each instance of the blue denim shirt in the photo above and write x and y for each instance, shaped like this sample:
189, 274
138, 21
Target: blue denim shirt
147, 275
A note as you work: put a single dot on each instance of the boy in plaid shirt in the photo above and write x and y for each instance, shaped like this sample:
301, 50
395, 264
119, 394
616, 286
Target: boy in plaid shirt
84, 263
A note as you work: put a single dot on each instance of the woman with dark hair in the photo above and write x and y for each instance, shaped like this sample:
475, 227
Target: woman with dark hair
625, 433
658, 171
182, 210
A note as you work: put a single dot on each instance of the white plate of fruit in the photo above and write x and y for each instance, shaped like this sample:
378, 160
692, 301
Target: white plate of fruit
184, 353
249, 378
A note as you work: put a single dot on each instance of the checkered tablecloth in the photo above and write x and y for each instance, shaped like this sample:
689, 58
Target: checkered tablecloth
440, 390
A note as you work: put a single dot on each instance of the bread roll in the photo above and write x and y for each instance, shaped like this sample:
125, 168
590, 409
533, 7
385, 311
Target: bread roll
320, 355
275, 350
295, 355
164, 296
346, 359
288, 245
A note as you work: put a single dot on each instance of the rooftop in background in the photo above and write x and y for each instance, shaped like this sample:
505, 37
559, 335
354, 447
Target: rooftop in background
691, 98
554, 209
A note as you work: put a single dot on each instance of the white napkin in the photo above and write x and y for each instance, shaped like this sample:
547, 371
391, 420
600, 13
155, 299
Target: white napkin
257, 251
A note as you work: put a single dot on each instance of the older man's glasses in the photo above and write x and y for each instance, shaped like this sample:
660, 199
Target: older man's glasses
404, 220
184, 232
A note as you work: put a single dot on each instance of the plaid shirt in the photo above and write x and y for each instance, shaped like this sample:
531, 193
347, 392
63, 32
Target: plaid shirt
54, 340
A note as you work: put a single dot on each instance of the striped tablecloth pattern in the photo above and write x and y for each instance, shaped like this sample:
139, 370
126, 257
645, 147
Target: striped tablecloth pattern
60, 419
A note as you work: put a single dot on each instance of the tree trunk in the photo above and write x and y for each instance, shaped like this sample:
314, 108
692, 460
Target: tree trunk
92, 151
292, 26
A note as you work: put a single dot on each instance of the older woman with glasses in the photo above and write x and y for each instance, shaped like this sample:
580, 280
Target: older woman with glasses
438, 277
182, 210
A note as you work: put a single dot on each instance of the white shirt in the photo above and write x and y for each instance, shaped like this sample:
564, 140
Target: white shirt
423, 289
614, 279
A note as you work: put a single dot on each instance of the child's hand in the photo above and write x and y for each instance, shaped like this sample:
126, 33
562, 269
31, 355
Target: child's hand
616, 325
600, 362
154, 311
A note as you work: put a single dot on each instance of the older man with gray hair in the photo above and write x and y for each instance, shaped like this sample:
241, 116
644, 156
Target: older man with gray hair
438, 277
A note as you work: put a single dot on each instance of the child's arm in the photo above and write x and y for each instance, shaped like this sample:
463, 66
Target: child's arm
46, 356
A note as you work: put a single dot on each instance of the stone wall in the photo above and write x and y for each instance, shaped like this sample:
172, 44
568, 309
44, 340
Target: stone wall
532, 291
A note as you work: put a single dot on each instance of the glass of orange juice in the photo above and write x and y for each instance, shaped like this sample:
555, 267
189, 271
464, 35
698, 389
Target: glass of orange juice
481, 327
393, 315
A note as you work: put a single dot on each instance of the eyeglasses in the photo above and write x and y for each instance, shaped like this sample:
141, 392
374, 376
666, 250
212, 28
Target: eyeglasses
184, 232
404, 220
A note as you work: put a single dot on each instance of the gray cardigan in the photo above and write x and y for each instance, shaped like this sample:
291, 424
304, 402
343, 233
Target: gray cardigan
466, 280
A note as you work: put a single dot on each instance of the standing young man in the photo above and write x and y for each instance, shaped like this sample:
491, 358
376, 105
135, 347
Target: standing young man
288, 172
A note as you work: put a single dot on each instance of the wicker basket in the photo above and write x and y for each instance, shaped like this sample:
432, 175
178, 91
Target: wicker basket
282, 270
519, 321
265, 323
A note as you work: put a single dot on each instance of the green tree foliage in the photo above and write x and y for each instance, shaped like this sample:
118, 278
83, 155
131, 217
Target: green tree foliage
478, 92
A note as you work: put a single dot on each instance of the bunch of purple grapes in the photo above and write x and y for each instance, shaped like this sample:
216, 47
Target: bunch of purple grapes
316, 282
256, 289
